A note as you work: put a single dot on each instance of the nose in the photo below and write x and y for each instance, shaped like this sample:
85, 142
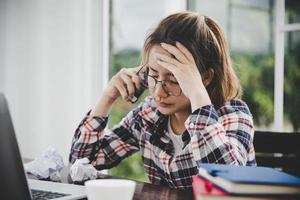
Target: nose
159, 91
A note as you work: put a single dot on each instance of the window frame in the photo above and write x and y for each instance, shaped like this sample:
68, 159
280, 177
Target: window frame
280, 29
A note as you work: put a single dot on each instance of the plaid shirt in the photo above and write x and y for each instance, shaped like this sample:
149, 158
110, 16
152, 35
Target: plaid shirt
222, 136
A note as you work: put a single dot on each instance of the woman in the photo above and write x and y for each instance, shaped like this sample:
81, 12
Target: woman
192, 115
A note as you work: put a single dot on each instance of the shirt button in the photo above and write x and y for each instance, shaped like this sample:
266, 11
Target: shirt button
192, 125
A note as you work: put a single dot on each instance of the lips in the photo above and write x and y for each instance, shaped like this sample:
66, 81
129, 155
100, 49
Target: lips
161, 104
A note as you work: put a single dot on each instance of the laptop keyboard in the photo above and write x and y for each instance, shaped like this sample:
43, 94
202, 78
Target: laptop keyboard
41, 194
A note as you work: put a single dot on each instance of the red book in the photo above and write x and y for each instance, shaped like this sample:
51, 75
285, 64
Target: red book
203, 187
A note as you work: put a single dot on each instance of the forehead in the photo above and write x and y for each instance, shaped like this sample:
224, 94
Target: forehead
152, 62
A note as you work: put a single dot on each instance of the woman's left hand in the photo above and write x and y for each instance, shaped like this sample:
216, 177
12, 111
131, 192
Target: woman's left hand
185, 70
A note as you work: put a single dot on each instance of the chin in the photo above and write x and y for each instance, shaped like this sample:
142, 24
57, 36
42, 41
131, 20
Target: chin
166, 111
169, 110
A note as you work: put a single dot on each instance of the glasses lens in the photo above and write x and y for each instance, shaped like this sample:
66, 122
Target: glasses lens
172, 88
151, 82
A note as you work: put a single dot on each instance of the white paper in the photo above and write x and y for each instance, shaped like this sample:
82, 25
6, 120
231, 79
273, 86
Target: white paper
81, 170
48, 165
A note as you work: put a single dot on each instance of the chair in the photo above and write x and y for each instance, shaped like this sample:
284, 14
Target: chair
278, 150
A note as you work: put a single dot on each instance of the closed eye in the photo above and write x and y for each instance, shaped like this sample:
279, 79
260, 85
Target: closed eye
154, 76
173, 82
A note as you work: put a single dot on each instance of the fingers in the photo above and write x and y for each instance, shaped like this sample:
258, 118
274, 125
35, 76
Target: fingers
175, 51
185, 51
137, 81
122, 89
172, 68
181, 53
128, 84
126, 81
167, 59
135, 78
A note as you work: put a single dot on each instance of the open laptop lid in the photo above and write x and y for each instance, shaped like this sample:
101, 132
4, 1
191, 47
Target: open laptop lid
14, 184
13, 180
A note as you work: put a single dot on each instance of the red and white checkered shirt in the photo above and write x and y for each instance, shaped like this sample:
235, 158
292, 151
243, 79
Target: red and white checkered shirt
222, 136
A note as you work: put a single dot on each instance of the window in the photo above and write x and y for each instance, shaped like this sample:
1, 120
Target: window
291, 81
291, 66
249, 29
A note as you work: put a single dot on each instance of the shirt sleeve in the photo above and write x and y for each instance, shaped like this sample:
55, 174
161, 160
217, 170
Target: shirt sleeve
224, 137
105, 148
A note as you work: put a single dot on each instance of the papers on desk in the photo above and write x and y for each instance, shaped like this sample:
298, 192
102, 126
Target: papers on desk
82, 170
223, 180
46, 166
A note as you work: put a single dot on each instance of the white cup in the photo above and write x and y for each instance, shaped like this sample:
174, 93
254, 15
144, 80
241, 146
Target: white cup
110, 189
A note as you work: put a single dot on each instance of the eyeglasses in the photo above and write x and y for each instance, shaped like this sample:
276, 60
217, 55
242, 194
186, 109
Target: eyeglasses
170, 87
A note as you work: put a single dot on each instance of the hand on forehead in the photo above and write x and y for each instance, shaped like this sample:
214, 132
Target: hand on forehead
152, 62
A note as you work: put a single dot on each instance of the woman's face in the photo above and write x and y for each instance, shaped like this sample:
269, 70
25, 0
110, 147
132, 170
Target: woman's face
166, 103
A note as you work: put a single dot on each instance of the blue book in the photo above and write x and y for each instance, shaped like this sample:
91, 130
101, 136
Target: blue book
250, 180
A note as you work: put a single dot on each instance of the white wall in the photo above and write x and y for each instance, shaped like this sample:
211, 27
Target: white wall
53, 64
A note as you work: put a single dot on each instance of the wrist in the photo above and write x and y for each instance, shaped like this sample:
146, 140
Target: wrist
107, 96
199, 99
103, 106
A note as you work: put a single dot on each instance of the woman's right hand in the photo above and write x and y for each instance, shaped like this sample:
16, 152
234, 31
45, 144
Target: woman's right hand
123, 84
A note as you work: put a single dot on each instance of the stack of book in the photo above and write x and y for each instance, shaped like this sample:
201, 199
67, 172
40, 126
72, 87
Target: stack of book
242, 182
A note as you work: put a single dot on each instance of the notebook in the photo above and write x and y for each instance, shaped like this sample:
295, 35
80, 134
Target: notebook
250, 180
204, 190
14, 184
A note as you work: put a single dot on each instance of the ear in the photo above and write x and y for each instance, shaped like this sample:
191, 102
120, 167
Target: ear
208, 76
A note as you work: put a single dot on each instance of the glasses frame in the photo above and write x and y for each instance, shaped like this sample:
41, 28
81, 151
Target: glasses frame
162, 82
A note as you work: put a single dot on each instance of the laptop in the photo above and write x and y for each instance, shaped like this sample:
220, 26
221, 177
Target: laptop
14, 184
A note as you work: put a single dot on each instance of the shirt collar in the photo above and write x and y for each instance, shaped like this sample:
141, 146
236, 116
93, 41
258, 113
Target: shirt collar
157, 123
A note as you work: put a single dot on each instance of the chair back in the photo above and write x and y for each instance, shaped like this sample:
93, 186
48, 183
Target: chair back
278, 150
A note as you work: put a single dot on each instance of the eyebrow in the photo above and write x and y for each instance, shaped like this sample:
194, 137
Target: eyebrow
169, 74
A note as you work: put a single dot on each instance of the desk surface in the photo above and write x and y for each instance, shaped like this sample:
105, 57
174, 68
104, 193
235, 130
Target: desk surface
147, 191
150, 191
143, 190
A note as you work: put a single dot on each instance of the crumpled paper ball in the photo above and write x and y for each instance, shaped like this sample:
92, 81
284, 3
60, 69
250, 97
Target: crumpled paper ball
47, 166
82, 170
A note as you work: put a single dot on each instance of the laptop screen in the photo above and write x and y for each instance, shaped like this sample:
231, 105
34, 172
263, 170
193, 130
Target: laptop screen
13, 180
